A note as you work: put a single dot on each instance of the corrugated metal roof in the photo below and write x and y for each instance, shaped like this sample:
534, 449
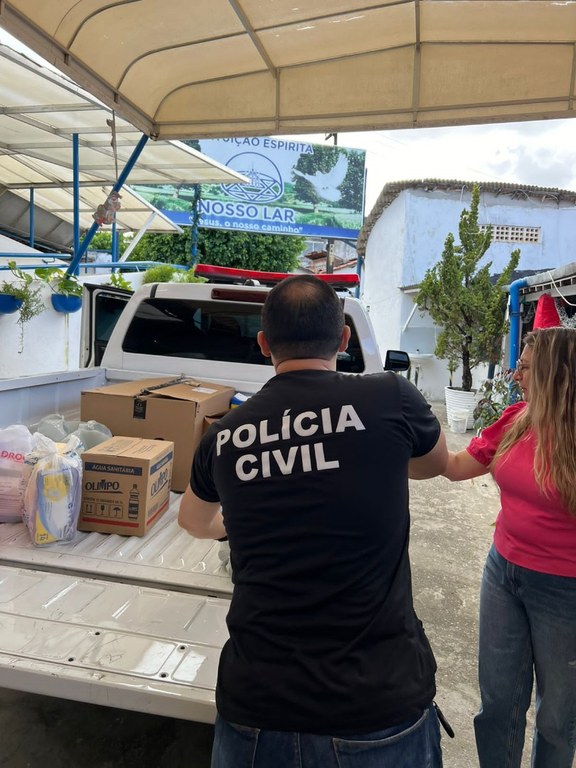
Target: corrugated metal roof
51, 231
253, 67
40, 110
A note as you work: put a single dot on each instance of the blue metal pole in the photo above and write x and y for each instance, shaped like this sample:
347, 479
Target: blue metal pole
116, 188
114, 241
195, 219
31, 225
359, 272
515, 324
76, 192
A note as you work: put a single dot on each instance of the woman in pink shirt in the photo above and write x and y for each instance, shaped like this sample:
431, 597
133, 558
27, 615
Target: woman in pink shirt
528, 595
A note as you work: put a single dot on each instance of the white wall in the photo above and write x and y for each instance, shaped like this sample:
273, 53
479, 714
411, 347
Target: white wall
430, 216
51, 340
382, 275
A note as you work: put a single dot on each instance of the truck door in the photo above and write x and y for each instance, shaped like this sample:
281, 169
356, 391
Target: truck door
101, 308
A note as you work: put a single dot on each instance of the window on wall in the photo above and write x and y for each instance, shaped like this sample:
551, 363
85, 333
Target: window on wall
506, 233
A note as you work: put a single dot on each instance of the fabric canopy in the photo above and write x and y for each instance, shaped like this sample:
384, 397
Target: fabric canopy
213, 68
40, 110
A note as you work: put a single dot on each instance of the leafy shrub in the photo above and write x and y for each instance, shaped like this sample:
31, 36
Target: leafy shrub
167, 273
162, 273
496, 395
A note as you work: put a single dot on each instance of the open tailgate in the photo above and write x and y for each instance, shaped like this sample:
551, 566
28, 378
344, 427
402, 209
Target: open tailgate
120, 645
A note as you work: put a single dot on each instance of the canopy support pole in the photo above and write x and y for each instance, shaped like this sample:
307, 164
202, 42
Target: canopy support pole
114, 241
135, 240
116, 188
76, 193
31, 224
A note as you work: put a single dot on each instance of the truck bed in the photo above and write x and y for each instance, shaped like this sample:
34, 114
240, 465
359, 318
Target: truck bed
135, 623
166, 557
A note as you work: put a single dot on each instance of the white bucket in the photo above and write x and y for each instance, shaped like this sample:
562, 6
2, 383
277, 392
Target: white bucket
459, 421
458, 400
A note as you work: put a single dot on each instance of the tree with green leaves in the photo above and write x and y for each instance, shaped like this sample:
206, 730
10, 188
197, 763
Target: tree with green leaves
352, 188
462, 299
242, 250
102, 241
305, 191
322, 160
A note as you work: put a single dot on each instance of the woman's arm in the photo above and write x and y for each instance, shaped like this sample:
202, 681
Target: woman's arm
461, 466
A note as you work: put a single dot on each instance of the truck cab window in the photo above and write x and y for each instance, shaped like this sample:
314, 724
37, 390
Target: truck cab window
223, 331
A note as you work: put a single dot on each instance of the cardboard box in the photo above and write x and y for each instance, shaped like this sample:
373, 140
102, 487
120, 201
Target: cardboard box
209, 420
125, 485
161, 409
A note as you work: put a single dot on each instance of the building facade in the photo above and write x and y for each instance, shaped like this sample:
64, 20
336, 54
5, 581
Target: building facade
404, 235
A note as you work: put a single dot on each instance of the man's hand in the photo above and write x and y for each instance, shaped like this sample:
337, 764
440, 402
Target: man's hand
202, 519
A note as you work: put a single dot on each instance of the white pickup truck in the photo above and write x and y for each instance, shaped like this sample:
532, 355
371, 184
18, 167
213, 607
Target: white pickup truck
137, 623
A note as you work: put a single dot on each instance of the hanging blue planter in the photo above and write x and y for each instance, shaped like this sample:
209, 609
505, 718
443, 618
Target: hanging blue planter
63, 303
9, 304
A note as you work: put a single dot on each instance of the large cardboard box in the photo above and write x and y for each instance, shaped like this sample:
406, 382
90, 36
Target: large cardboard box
125, 485
160, 409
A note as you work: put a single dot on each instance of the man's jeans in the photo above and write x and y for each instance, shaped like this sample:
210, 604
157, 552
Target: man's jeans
410, 745
527, 625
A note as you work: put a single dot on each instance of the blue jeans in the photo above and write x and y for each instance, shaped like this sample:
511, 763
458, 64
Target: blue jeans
527, 628
409, 745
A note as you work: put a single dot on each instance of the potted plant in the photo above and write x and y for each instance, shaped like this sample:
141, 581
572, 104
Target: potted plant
21, 295
66, 290
467, 305
117, 280
495, 395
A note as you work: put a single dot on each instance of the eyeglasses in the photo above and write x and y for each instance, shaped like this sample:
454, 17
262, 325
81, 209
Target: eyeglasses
521, 367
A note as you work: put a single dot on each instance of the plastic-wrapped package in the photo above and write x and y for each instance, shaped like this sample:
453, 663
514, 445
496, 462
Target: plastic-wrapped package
57, 428
91, 433
52, 481
238, 399
15, 443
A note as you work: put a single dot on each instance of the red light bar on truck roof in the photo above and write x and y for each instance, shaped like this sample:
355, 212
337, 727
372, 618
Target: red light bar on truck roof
230, 275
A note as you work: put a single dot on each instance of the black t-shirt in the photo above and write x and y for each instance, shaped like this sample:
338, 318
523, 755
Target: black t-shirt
312, 475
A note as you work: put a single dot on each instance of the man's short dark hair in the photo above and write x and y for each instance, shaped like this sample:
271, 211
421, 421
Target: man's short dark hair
303, 318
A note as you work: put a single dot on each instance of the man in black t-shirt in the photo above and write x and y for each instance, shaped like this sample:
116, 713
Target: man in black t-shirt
327, 664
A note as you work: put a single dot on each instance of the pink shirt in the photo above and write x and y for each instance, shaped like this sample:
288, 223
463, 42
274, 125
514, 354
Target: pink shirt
532, 530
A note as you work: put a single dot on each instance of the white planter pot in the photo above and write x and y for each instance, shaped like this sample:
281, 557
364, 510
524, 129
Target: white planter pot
459, 402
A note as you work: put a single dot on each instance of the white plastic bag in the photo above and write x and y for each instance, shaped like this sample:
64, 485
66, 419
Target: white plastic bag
15, 443
52, 481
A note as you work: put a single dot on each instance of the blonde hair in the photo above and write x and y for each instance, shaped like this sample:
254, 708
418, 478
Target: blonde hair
550, 412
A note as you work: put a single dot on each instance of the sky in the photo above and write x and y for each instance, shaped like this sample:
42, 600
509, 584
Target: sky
538, 153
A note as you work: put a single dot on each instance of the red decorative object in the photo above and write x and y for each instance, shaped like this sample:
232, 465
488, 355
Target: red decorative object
546, 313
